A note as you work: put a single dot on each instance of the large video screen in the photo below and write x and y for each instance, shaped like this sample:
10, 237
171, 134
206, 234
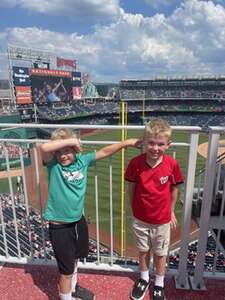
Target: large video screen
49, 86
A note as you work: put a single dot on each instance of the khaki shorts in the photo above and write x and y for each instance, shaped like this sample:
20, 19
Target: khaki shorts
154, 237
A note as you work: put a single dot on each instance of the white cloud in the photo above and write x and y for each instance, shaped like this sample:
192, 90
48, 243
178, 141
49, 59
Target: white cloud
190, 41
158, 3
203, 26
77, 9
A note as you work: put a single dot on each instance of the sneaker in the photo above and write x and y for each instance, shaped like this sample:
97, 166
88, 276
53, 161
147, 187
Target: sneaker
82, 294
139, 289
158, 293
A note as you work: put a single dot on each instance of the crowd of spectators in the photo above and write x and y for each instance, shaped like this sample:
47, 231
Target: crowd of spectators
173, 110
182, 119
175, 92
13, 151
77, 109
176, 105
209, 257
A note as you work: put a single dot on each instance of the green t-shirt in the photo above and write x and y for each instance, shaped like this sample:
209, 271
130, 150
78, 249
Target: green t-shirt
66, 188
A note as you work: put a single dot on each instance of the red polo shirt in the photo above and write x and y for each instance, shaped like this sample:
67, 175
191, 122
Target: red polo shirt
151, 201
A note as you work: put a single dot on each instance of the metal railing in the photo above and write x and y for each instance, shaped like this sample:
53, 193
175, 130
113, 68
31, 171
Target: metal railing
17, 214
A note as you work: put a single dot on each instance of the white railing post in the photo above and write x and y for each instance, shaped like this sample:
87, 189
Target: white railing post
97, 216
39, 199
182, 278
13, 202
111, 212
26, 201
197, 281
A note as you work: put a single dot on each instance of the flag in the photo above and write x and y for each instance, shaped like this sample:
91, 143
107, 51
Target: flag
61, 62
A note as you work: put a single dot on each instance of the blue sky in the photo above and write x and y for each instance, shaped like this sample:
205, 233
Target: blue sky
126, 39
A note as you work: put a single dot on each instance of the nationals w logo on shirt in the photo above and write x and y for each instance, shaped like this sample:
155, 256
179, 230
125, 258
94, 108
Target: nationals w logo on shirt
72, 176
163, 179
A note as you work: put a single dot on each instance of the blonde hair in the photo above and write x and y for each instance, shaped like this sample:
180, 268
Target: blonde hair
157, 127
62, 134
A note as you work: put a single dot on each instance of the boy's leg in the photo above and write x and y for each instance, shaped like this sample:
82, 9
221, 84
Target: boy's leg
141, 233
77, 291
74, 277
141, 285
65, 287
160, 265
61, 235
82, 247
144, 263
160, 241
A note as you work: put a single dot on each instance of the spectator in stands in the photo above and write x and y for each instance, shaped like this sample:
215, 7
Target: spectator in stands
153, 178
19, 184
67, 169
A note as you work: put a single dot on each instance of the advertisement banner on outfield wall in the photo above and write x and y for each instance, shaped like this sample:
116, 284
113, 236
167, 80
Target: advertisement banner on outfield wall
21, 76
23, 94
49, 86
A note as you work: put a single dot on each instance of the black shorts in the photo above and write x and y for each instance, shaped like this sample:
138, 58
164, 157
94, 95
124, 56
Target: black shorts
69, 242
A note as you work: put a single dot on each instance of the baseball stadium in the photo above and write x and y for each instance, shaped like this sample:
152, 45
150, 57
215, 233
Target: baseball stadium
44, 93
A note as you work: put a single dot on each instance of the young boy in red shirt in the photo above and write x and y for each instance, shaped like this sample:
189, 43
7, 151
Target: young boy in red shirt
153, 188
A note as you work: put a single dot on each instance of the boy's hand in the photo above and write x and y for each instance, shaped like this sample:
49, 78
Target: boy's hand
133, 142
75, 143
173, 221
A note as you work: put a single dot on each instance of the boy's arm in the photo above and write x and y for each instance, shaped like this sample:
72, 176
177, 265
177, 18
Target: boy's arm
111, 149
48, 149
174, 196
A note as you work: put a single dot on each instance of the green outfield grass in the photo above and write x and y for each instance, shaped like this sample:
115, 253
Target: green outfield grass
4, 185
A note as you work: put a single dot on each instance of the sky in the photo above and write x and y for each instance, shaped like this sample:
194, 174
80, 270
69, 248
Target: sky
120, 39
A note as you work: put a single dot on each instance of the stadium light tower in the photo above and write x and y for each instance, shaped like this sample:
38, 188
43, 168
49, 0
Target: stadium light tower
30, 55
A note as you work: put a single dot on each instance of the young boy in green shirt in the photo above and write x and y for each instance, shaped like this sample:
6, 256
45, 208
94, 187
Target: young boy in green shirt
67, 180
